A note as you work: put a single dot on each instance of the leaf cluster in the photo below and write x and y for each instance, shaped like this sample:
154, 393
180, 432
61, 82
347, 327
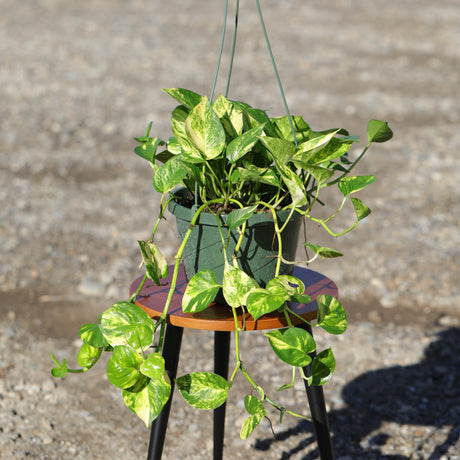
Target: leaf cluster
231, 151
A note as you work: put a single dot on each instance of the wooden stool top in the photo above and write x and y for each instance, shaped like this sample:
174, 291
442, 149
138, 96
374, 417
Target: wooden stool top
220, 317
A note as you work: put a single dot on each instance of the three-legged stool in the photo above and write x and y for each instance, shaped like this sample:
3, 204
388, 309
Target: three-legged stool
220, 319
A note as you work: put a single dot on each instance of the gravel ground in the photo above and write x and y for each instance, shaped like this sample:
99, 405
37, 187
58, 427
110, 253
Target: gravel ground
79, 80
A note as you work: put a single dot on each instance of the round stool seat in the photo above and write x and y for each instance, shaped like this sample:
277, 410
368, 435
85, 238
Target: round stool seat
218, 317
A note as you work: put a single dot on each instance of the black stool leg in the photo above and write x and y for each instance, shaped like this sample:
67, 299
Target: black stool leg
171, 351
221, 356
318, 413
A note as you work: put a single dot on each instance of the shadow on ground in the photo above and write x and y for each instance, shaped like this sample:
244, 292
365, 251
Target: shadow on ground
424, 394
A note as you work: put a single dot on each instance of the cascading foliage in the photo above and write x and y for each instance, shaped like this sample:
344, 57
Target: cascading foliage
233, 159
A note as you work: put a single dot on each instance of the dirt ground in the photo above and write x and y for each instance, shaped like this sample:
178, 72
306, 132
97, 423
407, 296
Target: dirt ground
79, 80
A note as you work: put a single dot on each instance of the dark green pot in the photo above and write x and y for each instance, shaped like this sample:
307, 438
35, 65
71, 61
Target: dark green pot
257, 255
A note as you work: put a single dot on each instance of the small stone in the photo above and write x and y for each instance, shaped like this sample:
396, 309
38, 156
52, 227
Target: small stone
448, 321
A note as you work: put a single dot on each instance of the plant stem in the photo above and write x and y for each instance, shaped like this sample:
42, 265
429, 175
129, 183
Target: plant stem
178, 257
350, 168
278, 235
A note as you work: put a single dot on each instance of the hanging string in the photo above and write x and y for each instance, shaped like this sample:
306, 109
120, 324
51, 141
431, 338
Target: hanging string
233, 47
280, 86
219, 59
276, 72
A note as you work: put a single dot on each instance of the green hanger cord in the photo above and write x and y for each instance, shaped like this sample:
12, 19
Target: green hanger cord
280, 86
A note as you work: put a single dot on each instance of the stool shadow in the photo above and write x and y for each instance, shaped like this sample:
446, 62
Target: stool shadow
424, 394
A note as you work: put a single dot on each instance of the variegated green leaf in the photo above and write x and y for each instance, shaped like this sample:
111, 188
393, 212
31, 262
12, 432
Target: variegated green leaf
86, 355
331, 314
92, 335
257, 412
280, 149
184, 96
236, 286
203, 390
200, 292
169, 175
148, 148
205, 131
156, 266
292, 345
322, 367
323, 252
239, 216
153, 366
362, 211
123, 367
261, 302
243, 144
148, 403
349, 185
127, 324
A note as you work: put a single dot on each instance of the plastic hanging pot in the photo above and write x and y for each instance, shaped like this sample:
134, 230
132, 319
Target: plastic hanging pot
257, 254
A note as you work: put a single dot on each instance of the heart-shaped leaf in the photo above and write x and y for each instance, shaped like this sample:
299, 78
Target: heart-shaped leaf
281, 150
127, 324
320, 174
169, 175
178, 117
287, 283
292, 345
331, 314
123, 367
378, 131
349, 185
243, 144
236, 286
184, 96
230, 116
322, 367
203, 390
86, 355
254, 406
283, 126
261, 302
205, 131
200, 292
148, 403
257, 412
362, 211
92, 335
333, 149
153, 366
239, 216
309, 148
252, 173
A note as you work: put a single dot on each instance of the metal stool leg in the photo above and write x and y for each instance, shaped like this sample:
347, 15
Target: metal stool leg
318, 413
221, 357
171, 351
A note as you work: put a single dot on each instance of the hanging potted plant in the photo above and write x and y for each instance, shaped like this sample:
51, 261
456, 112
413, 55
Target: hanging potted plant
246, 179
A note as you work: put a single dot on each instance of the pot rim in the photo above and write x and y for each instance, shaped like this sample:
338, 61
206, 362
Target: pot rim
206, 218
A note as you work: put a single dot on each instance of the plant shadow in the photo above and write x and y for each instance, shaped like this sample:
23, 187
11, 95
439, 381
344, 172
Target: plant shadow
423, 394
